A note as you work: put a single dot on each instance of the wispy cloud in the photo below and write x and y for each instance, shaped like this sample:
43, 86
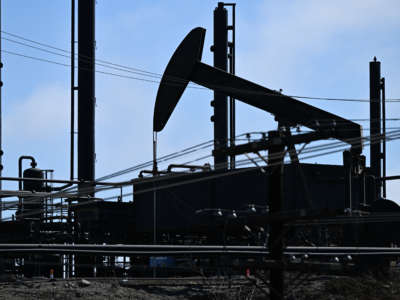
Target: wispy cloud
41, 116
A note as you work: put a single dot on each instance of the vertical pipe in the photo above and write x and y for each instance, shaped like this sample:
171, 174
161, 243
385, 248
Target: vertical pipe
46, 212
232, 67
1, 122
384, 136
154, 192
347, 164
86, 110
275, 199
154, 215
375, 121
86, 90
72, 143
155, 168
220, 102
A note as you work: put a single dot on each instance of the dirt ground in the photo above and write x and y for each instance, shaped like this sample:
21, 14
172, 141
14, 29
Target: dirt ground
298, 287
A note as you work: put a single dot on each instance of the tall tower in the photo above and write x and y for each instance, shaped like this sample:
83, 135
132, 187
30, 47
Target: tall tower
86, 90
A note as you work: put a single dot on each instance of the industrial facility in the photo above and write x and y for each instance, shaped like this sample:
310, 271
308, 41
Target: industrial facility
257, 208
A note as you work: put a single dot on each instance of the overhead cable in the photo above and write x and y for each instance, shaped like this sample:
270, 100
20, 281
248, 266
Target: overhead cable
142, 72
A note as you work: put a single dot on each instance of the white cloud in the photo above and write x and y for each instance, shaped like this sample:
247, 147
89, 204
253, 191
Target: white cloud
283, 39
41, 116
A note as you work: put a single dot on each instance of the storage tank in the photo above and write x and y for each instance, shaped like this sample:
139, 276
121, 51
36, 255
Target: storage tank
31, 185
33, 206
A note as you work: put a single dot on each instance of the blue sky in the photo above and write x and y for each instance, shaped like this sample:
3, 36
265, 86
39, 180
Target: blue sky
307, 47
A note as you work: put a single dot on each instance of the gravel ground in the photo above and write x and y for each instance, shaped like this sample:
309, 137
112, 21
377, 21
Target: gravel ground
132, 289
305, 287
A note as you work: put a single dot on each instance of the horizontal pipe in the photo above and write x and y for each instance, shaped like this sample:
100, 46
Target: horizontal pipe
130, 247
191, 167
397, 177
150, 250
153, 172
135, 252
20, 179
144, 247
60, 188
68, 182
11, 193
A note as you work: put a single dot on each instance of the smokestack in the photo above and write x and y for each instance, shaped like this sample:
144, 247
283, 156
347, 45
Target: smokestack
86, 90
375, 121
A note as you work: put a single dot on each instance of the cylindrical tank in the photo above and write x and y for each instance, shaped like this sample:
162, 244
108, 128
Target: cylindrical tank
33, 206
30, 185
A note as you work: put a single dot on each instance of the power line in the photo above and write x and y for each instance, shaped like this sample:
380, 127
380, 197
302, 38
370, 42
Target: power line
333, 145
394, 135
369, 139
235, 172
100, 62
142, 72
153, 81
97, 71
337, 148
35, 58
69, 56
83, 56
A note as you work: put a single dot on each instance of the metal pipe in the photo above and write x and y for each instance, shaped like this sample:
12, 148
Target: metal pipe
178, 248
205, 167
73, 88
232, 104
348, 166
71, 182
86, 91
72, 150
60, 188
384, 135
147, 172
20, 179
155, 168
375, 120
131, 252
396, 177
182, 250
33, 164
275, 201
1, 121
195, 253
220, 103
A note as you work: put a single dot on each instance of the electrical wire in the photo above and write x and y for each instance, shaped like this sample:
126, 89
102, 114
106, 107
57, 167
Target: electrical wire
178, 154
82, 56
45, 60
97, 63
128, 170
338, 145
390, 137
97, 71
109, 65
328, 146
156, 75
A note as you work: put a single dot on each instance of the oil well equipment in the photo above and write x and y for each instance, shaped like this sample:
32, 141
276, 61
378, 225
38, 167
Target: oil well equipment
272, 211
